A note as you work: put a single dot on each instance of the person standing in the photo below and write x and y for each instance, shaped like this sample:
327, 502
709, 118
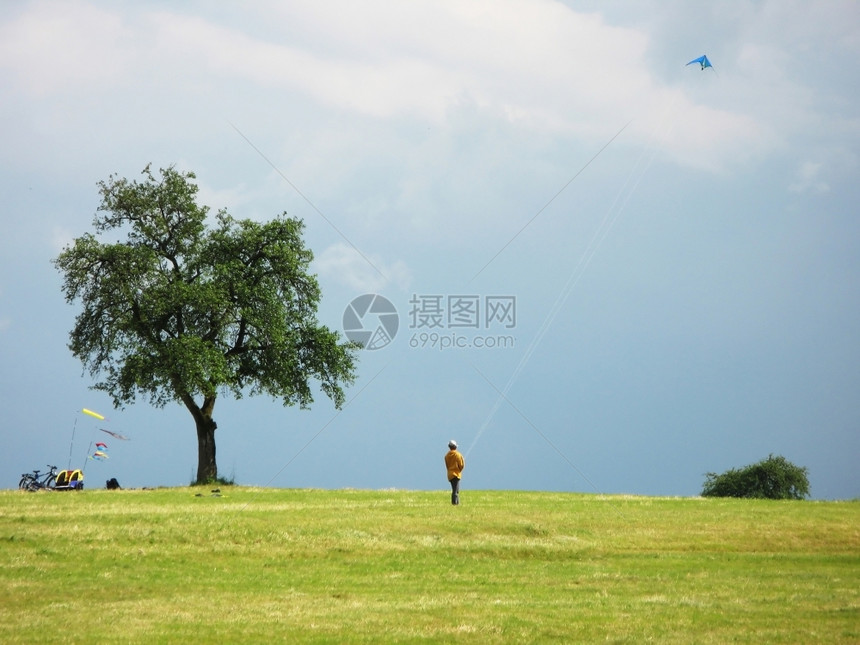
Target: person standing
455, 464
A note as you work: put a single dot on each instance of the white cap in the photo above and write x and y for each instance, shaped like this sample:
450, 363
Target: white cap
452, 444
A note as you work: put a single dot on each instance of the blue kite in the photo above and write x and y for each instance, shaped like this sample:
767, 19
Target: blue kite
701, 60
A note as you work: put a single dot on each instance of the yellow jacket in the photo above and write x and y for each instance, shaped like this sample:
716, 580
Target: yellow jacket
455, 464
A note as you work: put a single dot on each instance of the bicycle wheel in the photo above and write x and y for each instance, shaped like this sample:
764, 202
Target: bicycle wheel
24, 484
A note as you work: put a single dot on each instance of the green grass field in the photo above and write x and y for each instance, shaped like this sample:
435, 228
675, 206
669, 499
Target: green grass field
269, 565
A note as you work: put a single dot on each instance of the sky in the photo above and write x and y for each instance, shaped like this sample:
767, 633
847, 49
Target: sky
604, 270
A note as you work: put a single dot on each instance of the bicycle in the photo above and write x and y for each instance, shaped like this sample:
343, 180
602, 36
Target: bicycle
35, 481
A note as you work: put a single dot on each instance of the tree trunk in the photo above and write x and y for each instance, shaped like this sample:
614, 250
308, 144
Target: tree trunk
207, 468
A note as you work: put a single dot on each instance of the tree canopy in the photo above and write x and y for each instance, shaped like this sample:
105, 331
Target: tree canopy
771, 478
178, 312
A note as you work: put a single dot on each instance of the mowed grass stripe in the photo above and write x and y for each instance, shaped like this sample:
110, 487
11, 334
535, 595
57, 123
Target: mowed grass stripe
263, 565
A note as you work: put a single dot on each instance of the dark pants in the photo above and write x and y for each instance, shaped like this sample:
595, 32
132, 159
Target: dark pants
455, 490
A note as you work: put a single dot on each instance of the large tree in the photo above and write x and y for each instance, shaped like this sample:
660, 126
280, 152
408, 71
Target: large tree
181, 312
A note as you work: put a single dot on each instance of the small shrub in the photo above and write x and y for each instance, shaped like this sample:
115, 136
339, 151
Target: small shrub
771, 478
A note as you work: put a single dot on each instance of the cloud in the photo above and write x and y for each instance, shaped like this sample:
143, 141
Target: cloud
57, 46
531, 65
344, 265
215, 199
534, 65
61, 237
808, 179
5, 321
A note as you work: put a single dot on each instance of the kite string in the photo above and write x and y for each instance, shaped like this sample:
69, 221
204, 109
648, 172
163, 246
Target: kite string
548, 321
578, 270
553, 198
309, 202
544, 437
608, 221
319, 432
84, 469
72, 443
